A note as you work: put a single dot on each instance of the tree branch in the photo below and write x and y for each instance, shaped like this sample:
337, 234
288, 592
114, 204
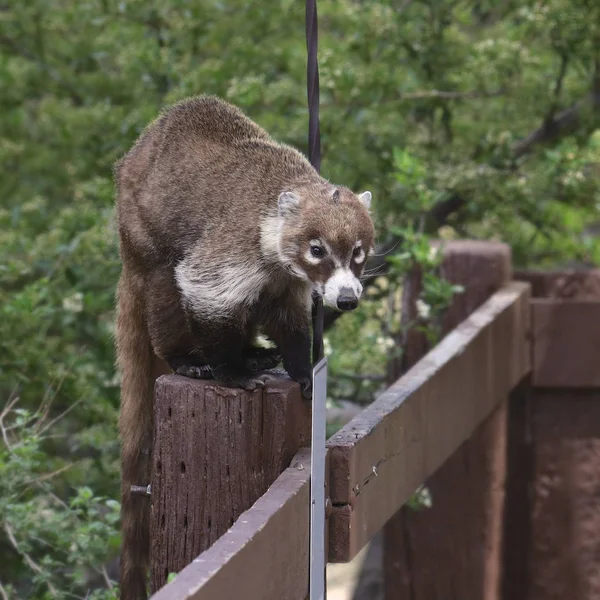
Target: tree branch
559, 125
551, 130
564, 63
426, 94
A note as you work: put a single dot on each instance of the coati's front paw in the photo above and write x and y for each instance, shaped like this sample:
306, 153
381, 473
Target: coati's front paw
305, 387
302, 375
193, 371
232, 377
261, 359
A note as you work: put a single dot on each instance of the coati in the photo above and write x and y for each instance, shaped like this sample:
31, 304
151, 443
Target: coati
223, 232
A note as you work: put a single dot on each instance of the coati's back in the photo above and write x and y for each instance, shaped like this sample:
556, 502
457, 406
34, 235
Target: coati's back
187, 125
179, 156
200, 165
212, 119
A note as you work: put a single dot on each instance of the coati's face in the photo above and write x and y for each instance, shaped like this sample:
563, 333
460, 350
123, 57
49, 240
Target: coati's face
325, 236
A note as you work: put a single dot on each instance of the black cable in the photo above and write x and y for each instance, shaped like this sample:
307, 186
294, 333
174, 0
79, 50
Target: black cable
314, 144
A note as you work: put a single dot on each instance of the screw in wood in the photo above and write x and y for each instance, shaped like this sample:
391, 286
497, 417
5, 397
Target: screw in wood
140, 490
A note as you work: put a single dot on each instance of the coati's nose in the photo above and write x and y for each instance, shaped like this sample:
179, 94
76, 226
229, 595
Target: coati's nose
347, 299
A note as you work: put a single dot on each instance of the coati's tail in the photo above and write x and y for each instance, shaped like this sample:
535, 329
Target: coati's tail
138, 366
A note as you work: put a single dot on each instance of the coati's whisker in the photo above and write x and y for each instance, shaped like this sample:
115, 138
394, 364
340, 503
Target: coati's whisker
387, 251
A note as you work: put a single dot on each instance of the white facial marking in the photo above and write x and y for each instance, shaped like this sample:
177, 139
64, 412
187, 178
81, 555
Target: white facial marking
308, 255
360, 257
310, 259
319, 288
341, 278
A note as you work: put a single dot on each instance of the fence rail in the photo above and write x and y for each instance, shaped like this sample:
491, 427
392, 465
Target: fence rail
382, 456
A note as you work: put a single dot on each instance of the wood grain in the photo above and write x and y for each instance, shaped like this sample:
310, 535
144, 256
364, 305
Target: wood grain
557, 450
264, 556
216, 451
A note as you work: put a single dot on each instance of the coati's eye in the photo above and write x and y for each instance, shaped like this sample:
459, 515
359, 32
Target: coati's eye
358, 254
317, 251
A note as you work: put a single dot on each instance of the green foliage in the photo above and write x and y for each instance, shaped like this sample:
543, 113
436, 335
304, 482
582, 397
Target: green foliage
430, 104
421, 499
62, 544
419, 253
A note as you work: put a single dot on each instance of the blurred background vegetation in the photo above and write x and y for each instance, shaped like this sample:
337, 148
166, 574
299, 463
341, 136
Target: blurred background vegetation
476, 119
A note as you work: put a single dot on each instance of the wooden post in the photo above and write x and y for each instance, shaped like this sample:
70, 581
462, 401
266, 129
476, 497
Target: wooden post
557, 446
216, 451
453, 550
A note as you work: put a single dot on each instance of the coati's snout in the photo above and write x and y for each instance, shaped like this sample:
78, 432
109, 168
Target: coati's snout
347, 300
343, 289
324, 235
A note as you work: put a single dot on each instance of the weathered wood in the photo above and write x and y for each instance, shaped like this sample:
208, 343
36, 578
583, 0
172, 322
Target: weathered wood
566, 285
381, 456
453, 549
517, 522
216, 451
564, 545
560, 445
482, 268
566, 343
265, 553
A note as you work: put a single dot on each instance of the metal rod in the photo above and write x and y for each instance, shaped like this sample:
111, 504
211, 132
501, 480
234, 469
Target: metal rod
317, 483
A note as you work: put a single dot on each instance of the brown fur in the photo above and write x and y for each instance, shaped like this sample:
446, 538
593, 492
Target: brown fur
193, 196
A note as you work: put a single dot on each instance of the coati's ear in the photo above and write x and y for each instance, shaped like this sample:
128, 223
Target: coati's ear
288, 203
365, 198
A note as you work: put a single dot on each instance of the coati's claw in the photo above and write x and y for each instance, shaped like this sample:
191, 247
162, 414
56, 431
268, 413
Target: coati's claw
254, 384
227, 376
194, 371
306, 387
266, 377
261, 380
245, 381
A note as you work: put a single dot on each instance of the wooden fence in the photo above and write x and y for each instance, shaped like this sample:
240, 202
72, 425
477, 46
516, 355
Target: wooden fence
230, 487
